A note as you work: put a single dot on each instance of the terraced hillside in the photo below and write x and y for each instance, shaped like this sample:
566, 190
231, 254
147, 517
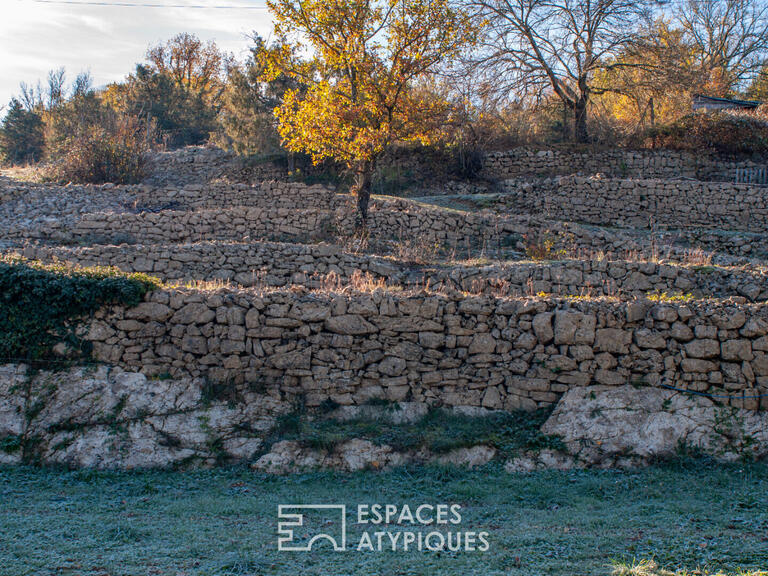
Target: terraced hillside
506, 295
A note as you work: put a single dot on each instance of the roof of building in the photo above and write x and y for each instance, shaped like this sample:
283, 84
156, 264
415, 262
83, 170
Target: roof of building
702, 99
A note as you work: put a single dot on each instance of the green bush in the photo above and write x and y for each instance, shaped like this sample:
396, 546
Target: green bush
735, 133
21, 135
38, 303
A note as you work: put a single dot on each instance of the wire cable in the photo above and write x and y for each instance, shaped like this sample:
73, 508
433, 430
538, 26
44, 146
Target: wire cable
145, 5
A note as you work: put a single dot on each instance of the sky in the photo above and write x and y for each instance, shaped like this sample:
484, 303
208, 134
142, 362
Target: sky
37, 36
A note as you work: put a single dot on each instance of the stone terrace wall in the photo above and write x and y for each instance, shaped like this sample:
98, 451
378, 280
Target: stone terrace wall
35, 211
18, 197
619, 202
229, 224
196, 164
531, 161
459, 233
115, 215
273, 264
402, 219
199, 164
269, 194
477, 351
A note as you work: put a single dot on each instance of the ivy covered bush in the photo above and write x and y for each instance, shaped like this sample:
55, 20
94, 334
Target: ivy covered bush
38, 303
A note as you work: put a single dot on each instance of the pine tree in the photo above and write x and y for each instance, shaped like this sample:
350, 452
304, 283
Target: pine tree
21, 135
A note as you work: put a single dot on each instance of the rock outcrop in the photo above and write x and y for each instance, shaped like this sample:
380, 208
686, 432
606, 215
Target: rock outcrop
626, 425
102, 417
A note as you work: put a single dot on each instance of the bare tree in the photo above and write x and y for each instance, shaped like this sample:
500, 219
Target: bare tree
193, 65
731, 38
533, 46
55, 92
31, 96
83, 84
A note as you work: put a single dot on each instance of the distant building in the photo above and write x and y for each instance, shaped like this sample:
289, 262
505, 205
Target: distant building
712, 104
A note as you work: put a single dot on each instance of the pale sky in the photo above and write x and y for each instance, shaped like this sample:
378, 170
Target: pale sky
36, 36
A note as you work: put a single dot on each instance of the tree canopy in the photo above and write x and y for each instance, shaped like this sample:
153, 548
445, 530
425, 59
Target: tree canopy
21, 134
367, 74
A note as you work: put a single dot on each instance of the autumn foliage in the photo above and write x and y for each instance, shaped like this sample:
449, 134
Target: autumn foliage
368, 77
735, 133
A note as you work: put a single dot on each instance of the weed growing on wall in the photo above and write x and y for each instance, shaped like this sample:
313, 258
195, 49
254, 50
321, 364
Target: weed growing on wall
39, 302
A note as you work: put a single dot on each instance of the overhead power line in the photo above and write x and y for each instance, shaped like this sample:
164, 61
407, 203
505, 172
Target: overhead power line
121, 4
146, 5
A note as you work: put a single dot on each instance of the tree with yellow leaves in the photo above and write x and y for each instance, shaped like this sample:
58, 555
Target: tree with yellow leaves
367, 71
650, 80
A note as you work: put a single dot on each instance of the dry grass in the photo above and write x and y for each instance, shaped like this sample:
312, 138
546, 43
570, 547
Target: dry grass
30, 173
359, 242
418, 250
359, 281
655, 254
203, 285
496, 287
539, 245
697, 257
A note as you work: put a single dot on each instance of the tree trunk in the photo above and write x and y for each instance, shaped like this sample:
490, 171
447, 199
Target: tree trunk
362, 188
566, 131
580, 133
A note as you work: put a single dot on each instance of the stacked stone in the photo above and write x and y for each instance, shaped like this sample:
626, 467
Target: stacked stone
474, 351
275, 264
473, 339
637, 203
114, 214
671, 164
197, 164
273, 211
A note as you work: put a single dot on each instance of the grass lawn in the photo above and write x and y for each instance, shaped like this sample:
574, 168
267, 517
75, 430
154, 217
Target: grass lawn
683, 516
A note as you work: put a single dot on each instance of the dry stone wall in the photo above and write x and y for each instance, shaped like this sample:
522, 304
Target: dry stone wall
635, 203
229, 224
200, 376
471, 351
457, 232
270, 194
275, 211
275, 264
66, 213
197, 164
617, 163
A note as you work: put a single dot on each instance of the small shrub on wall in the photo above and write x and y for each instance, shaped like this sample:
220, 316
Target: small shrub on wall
38, 302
